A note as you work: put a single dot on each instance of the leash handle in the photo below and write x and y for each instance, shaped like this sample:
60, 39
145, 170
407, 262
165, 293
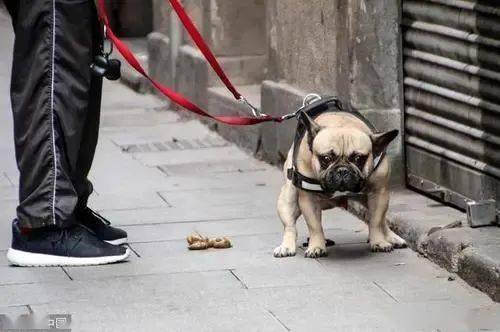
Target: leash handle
177, 98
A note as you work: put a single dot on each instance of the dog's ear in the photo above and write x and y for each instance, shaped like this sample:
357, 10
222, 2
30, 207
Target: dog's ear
312, 128
381, 141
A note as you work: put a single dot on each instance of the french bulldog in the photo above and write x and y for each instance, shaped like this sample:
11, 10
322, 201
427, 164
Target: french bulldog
338, 150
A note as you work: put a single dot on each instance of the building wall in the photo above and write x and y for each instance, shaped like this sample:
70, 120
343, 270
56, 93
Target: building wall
280, 50
237, 27
302, 43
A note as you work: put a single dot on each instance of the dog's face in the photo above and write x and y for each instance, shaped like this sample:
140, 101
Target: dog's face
343, 158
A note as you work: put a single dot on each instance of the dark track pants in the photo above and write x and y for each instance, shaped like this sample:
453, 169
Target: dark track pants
56, 104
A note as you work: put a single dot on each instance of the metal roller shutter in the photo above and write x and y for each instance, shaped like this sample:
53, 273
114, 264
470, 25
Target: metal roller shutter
451, 66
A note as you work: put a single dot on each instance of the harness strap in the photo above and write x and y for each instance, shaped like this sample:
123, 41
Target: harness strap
177, 97
303, 182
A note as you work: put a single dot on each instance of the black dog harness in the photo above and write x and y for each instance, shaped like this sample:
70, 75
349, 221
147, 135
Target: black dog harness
329, 104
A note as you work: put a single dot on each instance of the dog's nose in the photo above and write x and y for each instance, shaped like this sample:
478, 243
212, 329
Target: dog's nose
342, 172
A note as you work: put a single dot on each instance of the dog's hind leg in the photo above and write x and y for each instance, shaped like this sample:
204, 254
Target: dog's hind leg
312, 214
288, 212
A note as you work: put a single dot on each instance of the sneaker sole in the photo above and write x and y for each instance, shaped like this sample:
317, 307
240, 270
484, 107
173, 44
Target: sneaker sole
118, 242
23, 258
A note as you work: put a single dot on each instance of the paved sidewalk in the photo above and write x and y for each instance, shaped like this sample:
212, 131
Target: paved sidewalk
161, 178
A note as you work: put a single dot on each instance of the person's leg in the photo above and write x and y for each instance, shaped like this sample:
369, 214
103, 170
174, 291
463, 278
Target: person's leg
90, 134
50, 89
50, 97
84, 215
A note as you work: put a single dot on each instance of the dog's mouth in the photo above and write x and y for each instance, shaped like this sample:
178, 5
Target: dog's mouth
342, 179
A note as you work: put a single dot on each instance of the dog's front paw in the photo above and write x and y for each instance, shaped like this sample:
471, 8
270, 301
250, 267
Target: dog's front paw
396, 240
284, 251
381, 246
315, 252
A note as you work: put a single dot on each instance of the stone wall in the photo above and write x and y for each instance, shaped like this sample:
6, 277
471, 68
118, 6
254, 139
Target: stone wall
278, 51
302, 43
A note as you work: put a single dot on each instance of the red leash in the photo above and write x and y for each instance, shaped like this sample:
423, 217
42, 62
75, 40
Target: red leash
172, 95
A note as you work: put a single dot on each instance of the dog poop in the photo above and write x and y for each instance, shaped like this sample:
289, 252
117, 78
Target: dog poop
199, 242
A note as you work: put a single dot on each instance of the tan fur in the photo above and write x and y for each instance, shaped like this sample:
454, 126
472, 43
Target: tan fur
342, 133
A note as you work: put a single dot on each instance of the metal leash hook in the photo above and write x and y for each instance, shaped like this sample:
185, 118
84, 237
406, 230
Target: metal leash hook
255, 111
309, 99
106, 39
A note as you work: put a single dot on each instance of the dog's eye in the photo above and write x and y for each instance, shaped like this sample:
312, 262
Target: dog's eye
358, 159
325, 160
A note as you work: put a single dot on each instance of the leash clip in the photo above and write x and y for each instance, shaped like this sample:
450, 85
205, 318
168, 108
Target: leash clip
256, 113
106, 39
309, 99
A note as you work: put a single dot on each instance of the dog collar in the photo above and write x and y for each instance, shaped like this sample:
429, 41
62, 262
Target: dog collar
329, 104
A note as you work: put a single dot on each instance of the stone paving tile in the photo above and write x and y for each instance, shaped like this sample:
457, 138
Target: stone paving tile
235, 227
332, 307
166, 317
4, 181
402, 274
446, 316
160, 132
8, 168
152, 159
7, 214
283, 272
118, 97
117, 290
231, 180
116, 172
251, 256
10, 275
318, 308
241, 167
177, 215
128, 173
134, 200
222, 197
137, 117
421, 205
199, 261
8, 192
162, 232
261, 243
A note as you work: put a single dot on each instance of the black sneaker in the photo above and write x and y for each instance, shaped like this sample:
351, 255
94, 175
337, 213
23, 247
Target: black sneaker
61, 247
101, 227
